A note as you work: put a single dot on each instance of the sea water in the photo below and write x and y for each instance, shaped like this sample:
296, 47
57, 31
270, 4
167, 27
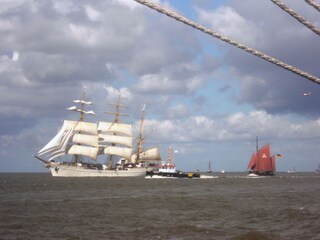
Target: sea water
231, 206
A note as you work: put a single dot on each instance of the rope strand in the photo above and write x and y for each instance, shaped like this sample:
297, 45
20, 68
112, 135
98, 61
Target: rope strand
313, 4
186, 21
296, 16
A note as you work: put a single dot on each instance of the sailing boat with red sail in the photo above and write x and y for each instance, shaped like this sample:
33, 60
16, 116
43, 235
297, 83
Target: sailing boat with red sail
261, 163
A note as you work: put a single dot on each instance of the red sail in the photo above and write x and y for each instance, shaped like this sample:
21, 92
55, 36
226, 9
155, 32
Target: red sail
265, 163
273, 163
252, 163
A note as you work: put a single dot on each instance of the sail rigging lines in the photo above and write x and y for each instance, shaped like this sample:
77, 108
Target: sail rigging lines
270, 59
296, 16
313, 4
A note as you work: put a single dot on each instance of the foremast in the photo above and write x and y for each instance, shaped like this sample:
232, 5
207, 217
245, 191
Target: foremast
82, 112
75, 138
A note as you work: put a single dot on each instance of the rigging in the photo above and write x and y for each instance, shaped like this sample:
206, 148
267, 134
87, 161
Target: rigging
270, 59
296, 16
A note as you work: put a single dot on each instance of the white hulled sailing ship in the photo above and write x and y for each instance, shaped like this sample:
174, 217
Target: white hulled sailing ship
74, 150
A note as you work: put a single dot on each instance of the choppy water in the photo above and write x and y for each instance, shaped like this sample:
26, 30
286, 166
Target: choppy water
38, 206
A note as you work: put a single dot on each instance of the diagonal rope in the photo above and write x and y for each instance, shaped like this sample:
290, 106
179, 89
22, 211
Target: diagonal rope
296, 16
313, 4
186, 21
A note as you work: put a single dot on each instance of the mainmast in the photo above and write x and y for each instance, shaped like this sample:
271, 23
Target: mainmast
140, 138
116, 114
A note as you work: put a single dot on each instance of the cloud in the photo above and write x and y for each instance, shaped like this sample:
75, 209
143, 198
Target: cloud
197, 90
227, 21
236, 127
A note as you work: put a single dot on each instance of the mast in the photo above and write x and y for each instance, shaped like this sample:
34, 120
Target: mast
140, 138
82, 112
170, 156
116, 114
82, 106
257, 152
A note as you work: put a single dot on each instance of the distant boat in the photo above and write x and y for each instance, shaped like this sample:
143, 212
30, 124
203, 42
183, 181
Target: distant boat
318, 170
223, 171
209, 168
261, 163
293, 170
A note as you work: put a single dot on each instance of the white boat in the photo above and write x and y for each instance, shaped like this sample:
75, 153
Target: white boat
168, 170
74, 150
292, 171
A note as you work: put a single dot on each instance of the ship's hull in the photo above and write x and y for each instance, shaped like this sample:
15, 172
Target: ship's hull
175, 174
260, 174
76, 171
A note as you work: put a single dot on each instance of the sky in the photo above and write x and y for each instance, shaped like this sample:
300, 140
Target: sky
208, 100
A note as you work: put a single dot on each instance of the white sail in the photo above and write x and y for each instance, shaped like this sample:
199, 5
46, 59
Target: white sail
90, 152
61, 150
148, 154
90, 140
125, 129
70, 135
54, 143
118, 151
115, 139
82, 102
84, 127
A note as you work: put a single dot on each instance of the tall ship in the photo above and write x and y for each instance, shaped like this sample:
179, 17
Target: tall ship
262, 163
75, 150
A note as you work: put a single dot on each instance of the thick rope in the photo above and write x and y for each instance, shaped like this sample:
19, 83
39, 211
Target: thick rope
186, 21
296, 16
313, 4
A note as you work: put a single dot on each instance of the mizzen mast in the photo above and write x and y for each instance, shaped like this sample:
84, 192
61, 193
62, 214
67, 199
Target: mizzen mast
140, 138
